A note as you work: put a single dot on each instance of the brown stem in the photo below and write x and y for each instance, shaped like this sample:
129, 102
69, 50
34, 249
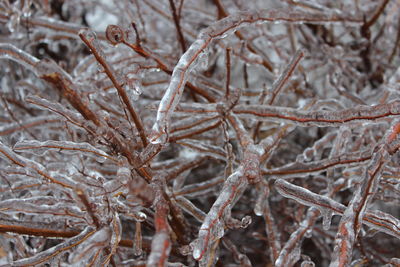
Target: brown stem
146, 54
52, 233
228, 72
178, 26
120, 89
222, 14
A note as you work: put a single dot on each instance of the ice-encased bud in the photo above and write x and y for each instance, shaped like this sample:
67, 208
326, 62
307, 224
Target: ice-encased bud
114, 34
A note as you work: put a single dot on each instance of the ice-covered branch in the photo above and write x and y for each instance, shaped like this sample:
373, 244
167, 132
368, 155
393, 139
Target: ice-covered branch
50, 253
376, 219
351, 221
89, 38
213, 225
318, 118
198, 48
12, 157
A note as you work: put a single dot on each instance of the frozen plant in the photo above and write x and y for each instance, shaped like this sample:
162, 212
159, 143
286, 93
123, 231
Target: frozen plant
199, 133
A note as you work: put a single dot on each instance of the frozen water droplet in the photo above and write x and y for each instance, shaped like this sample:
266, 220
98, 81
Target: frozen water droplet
196, 250
258, 211
259, 206
261, 201
141, 217
308, 233
101, 159
138, 89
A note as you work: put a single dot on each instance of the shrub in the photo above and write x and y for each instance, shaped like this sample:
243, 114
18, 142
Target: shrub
184, 133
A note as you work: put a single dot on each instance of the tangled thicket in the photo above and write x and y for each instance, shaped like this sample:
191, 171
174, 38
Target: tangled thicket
209, 133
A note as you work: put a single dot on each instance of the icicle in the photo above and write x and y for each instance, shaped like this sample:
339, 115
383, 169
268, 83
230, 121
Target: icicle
326, 218
116, 229
260, 202
137, 241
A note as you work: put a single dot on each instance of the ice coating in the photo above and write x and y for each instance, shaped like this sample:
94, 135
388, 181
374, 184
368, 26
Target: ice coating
8, 154
63, 146
371, 218
212, 228
87, 232
96, 239
188, 60
350, 224
30, 122
306, 197
318, 118
8, 51
158, 249
177, 84
311, 98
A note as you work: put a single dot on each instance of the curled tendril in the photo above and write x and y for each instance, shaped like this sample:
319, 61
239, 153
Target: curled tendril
114, 34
